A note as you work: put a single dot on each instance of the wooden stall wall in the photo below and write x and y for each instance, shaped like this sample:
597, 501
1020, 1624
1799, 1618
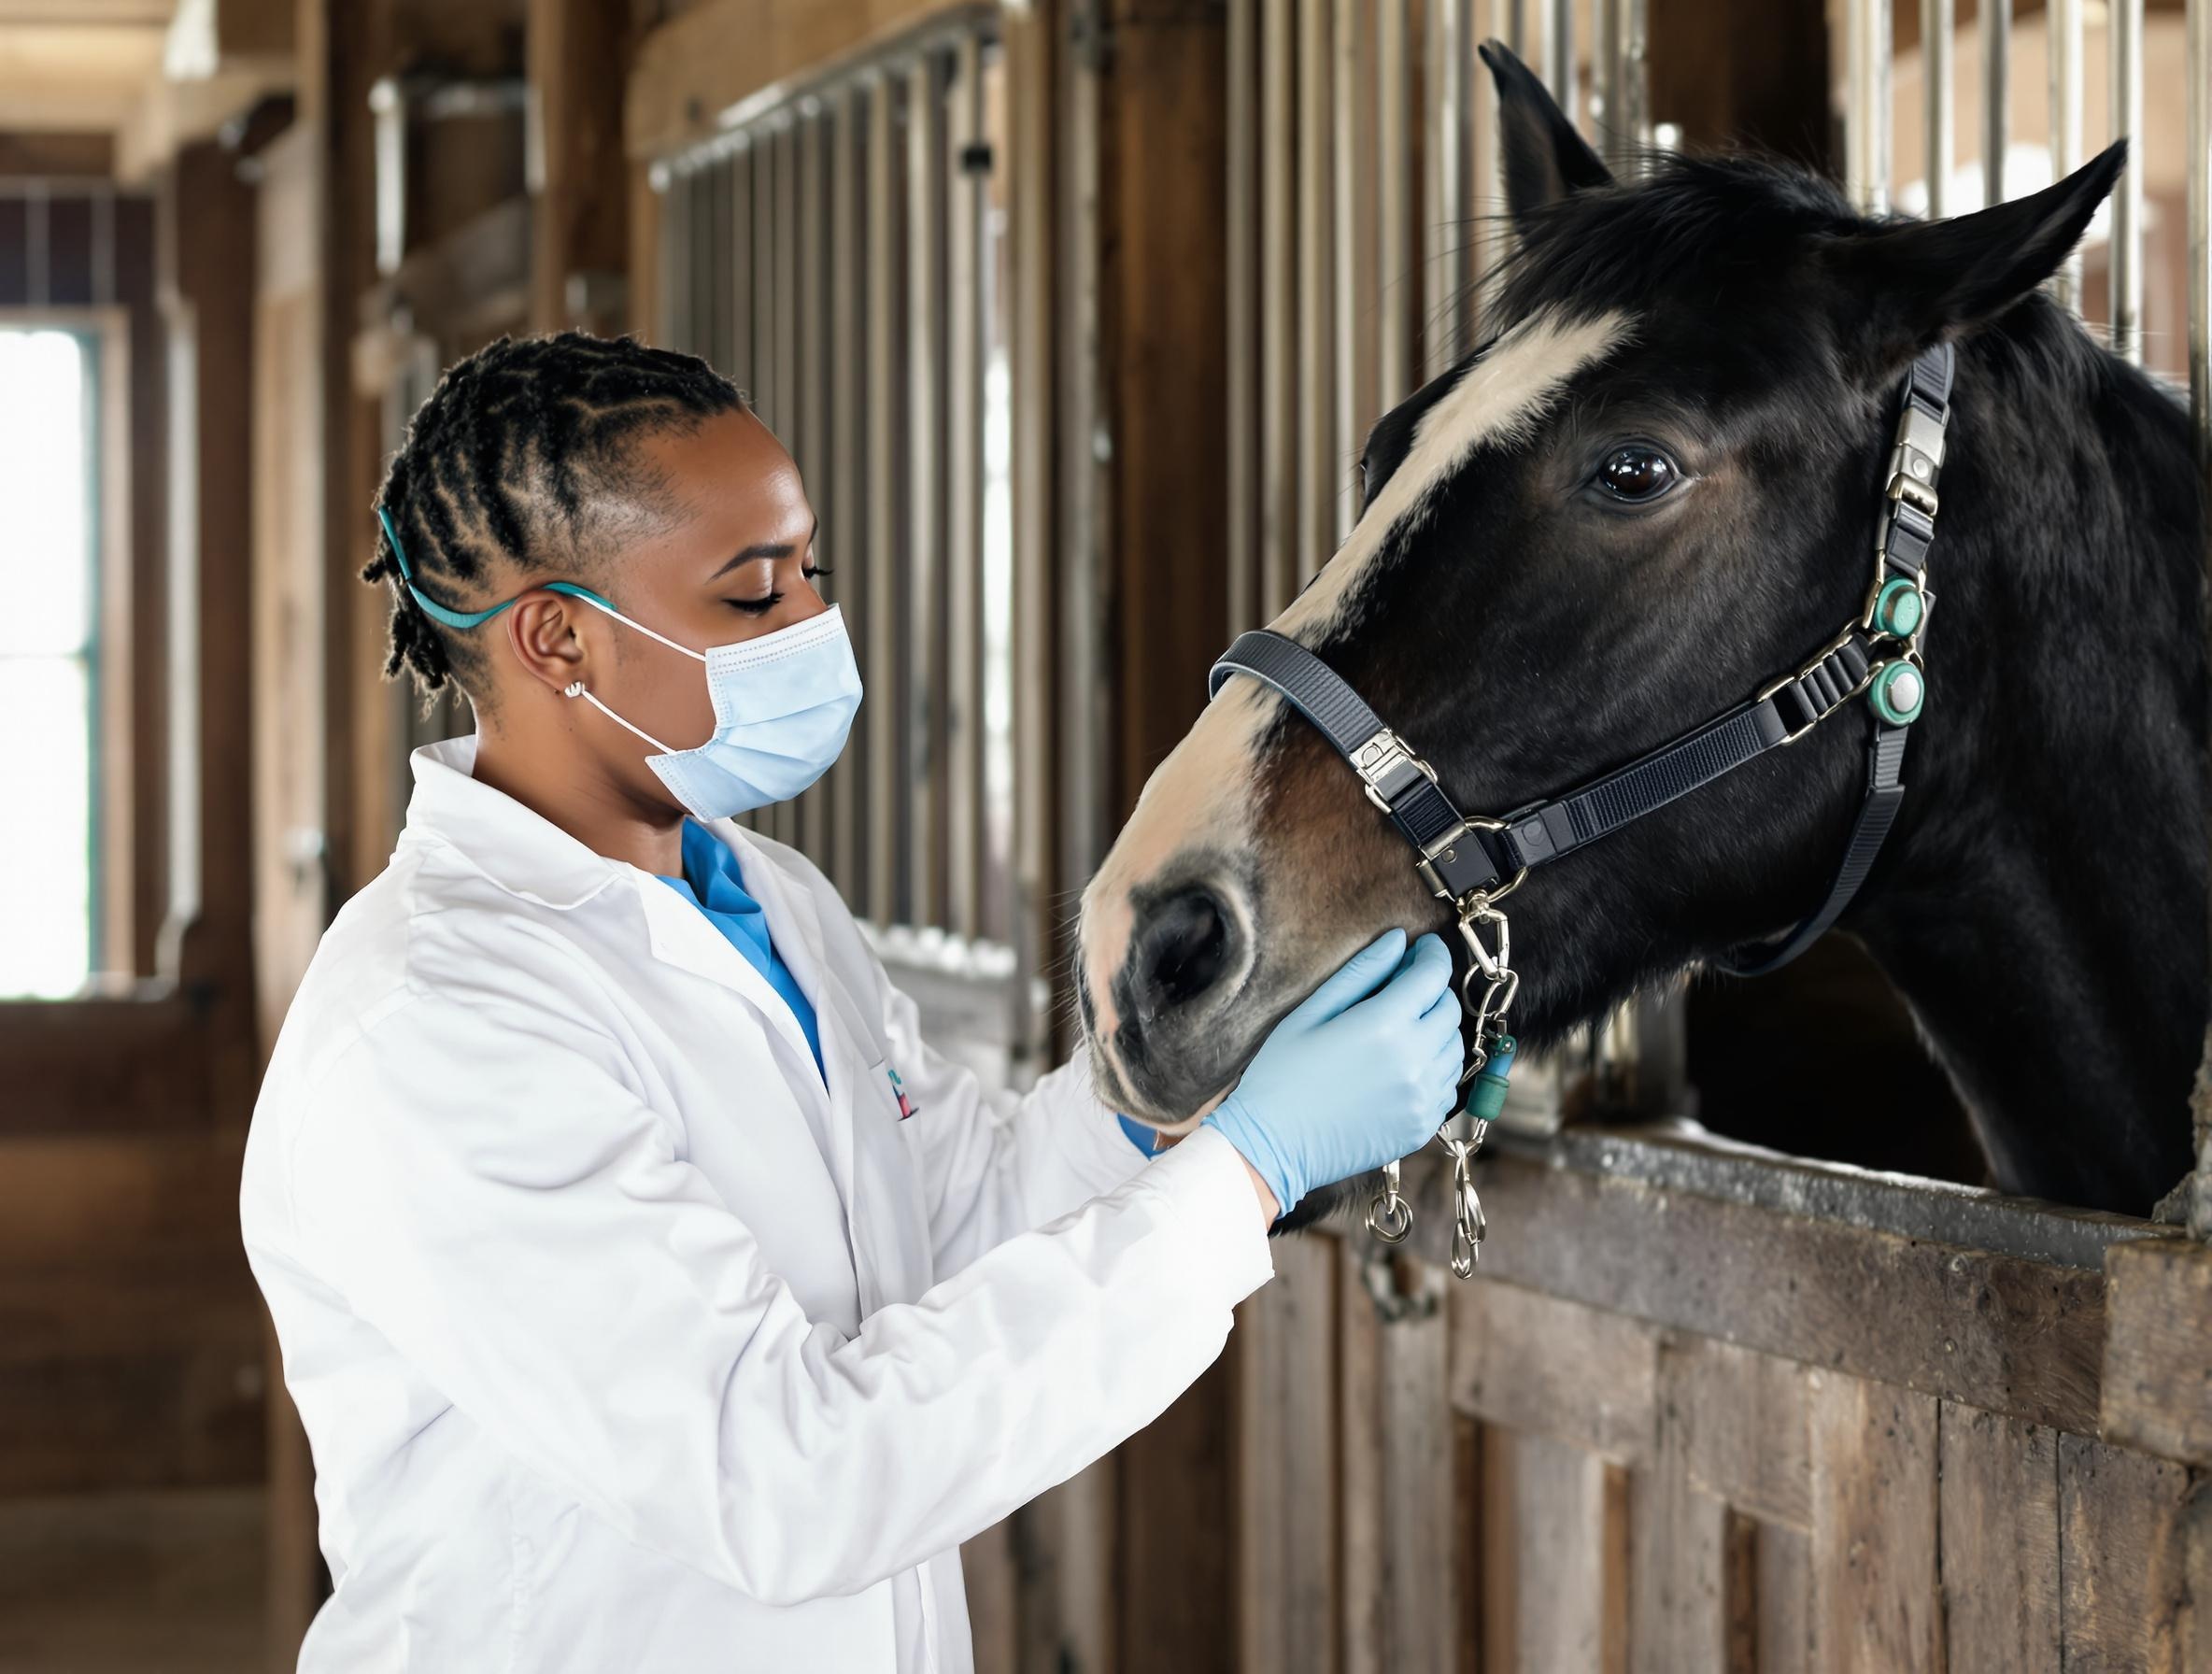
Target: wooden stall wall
1676, 1426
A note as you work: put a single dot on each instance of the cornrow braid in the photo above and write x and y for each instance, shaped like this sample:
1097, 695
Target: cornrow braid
521, 463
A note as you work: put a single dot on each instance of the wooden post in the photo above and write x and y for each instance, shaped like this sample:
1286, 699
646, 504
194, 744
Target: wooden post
578, 56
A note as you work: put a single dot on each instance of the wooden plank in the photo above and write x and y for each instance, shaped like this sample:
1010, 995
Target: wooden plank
1288, 1610
1471, 1556
1782, 1603
988, 1567
717, 57
2000, 1520
580, 217
2158, 1349
1556, 1551
1876, 1595
1067, 1549
1419, 1559
1365, 1517
1241, 560
1743, 1419
2126, 1522
1682, 1554
1546, 1366
1995, 1331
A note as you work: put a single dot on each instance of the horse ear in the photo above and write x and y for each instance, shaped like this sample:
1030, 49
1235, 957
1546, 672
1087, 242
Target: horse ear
1545, 159
1924, 279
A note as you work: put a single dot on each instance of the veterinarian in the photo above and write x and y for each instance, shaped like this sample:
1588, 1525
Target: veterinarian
653, 1296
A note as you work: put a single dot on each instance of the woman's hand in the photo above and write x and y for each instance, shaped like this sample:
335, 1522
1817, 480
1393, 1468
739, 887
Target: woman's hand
1358, 1075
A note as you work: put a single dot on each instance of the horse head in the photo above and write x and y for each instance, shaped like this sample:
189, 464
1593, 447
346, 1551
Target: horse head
1653, 488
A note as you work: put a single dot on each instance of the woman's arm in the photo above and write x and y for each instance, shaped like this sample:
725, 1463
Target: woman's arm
537, 1251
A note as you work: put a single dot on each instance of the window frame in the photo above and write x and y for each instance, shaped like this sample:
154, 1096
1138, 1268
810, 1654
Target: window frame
105, 333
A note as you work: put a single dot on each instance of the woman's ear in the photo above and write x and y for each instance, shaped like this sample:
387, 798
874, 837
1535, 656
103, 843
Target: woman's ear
1544, 158
541, 634
1920, 282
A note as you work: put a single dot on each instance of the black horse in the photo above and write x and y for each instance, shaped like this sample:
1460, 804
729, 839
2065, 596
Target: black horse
1654, 490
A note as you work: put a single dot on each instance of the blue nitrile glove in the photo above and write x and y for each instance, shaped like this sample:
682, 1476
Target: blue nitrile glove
1356, 1076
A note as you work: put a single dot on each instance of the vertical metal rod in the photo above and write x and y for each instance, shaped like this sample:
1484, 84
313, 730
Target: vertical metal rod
1996, 96
1029, 196
1866, 122
767, 387
2064, 25
2127, 196
811, 443
734, 235
790, 392
886, 813
1278, 391
1317, 473
103, 207
1354, 233
2199, 227
1631, 40
1395, 229
846, 519
1559, 57
964, 166
1241, 189
923, 695
1444, 232
672, 330
1488, 232
1938, 24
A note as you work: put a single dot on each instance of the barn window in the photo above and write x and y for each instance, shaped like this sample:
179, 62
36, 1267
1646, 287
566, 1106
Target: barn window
48, 660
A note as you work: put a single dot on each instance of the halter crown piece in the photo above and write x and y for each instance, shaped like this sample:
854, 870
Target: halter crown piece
1471, 863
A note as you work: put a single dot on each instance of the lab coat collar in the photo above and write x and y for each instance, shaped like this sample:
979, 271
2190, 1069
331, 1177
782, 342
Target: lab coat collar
496, 834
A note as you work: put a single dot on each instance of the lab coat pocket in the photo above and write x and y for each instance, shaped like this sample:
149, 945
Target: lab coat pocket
897, 1225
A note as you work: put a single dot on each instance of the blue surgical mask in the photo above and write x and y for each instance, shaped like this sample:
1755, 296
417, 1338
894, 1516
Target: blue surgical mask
784, 704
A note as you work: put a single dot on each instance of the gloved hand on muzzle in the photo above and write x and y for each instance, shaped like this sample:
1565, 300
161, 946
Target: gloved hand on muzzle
1363, 1072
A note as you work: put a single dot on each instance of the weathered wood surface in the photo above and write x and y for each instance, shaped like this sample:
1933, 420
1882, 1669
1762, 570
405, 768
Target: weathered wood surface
2000, 1530
2126, 1521
1998, 1331
2158, 1349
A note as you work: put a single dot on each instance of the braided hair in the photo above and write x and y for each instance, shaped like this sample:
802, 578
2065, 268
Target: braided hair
521, 464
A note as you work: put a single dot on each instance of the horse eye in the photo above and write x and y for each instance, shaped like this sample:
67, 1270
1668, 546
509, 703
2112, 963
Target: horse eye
1636, 473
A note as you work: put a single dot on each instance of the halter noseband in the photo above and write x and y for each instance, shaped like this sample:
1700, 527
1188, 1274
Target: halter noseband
1471, 863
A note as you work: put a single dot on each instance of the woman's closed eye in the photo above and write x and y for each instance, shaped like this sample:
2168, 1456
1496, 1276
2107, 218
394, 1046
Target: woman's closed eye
767, 602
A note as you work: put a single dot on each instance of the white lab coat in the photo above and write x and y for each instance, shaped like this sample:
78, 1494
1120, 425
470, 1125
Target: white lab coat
621, 1342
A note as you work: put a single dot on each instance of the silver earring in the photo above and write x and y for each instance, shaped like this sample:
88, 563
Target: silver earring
575, 689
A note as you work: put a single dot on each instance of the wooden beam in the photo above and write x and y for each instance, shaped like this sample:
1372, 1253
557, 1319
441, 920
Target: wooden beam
578, 55
699, 66
50, 155
2157, 1358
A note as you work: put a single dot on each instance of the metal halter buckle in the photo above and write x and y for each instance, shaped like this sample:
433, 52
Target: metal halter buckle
1915, 460
1819, 714
1386, 765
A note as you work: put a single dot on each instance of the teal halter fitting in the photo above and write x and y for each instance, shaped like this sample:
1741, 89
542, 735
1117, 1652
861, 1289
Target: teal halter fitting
474, 618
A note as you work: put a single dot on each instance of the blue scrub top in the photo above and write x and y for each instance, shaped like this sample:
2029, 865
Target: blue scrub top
713, 883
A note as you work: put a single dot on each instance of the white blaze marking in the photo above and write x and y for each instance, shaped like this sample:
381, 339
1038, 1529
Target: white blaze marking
1499, 399
1202, 793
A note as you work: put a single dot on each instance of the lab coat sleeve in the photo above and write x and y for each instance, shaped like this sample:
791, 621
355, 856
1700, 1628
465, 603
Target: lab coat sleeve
487, 1190
995, 1164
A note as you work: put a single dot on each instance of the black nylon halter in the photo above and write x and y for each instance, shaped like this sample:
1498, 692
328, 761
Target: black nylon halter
1465, 860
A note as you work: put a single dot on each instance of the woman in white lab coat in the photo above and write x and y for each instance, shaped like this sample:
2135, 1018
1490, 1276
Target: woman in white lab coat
652, 1296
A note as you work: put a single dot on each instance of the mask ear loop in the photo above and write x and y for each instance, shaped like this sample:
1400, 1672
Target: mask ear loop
576, 689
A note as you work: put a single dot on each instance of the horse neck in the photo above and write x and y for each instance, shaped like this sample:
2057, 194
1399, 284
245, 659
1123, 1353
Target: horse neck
2043, 909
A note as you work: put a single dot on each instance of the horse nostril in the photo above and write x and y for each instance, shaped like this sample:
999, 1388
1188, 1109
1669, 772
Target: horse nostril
1180, 950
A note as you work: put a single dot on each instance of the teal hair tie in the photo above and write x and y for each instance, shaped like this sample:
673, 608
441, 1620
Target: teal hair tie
471, 618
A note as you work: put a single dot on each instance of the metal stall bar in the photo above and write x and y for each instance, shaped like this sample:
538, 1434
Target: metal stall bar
811, 432
783, 260
1559, 56
734, 251
1354, 234
1444, 232
1278, 360
1029, 195
1866, 118
2127, 196
886, 407
675, 185
1317, 470
924, 692
2062, 18
722, 313
761, 325
1393, 234
1628, 100
1242, 351
1996, 96
848, 523
2199, 226
965, 165
1938, 23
